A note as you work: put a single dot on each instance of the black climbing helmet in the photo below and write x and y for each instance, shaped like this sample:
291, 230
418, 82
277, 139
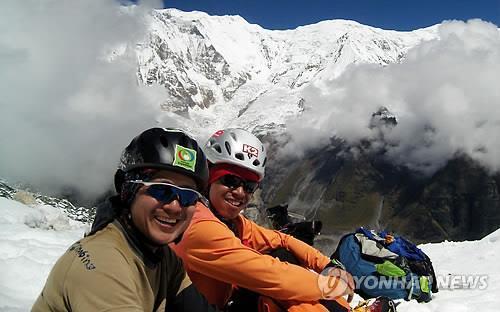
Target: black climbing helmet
163, 148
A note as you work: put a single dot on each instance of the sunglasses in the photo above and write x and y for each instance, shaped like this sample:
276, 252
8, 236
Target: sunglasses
233, 182
166, 193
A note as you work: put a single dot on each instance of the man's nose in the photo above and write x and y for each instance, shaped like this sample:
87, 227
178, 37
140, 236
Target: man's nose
174, 207
240, 191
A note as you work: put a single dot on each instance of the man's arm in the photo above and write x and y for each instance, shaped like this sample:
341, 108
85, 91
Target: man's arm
211, 249
265, 240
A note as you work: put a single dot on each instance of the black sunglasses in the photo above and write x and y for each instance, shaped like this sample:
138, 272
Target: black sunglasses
166, 193
234, 182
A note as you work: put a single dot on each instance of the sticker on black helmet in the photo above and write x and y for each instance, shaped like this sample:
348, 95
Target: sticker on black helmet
185, 158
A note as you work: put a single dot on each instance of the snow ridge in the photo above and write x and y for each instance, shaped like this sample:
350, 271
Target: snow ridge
222, 68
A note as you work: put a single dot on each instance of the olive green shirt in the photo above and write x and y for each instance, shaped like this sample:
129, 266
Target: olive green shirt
106, 272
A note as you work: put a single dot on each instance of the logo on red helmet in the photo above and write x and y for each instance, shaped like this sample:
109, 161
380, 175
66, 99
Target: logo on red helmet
250, 150
218, 133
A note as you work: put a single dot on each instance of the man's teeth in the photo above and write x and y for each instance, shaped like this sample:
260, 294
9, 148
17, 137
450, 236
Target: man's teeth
234, 203
166, 220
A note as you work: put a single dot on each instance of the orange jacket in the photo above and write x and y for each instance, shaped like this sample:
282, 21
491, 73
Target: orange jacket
216, 259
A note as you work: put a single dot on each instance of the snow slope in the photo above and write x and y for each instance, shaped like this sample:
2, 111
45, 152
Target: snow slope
32, 238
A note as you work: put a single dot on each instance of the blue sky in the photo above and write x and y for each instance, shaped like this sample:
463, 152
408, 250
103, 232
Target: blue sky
386, 14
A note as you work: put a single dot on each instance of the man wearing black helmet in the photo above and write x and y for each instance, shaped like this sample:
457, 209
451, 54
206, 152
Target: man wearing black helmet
124, 263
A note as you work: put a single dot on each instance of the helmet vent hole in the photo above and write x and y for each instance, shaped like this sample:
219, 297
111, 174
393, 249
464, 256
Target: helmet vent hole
228, 147
256, 163
185, 141
164, 140
217, 148
264, 163
240, 156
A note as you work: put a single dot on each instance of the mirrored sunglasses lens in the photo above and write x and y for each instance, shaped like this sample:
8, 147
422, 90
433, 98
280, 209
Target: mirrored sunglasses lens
235, 182
167, 193
163, 193
188, 198
231, 181
250, 187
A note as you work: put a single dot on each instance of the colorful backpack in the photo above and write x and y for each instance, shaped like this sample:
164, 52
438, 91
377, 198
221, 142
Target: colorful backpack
384, 264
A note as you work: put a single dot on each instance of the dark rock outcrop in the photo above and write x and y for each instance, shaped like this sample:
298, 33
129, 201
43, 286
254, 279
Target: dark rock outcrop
461, 201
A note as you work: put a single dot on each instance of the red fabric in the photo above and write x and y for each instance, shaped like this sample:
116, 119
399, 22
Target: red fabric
220, 170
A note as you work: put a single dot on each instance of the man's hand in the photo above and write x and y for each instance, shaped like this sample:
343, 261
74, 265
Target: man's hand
335, 283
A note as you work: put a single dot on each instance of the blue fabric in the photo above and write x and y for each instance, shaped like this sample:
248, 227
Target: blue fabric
368, 281
399, 246
350, 256
364, 272
406, 249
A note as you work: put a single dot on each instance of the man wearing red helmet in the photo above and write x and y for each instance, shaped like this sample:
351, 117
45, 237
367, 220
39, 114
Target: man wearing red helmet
222, 250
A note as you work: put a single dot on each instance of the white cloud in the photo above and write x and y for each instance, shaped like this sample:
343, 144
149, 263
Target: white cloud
445, 94
66, 111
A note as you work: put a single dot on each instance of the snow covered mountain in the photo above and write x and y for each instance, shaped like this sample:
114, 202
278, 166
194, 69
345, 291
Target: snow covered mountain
223, 69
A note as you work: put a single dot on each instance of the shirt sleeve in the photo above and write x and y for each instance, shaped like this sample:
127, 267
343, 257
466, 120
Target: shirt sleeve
102, 285
213, 250
265, 240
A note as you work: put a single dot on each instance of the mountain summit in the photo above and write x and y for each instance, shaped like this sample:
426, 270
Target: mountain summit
222, 71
